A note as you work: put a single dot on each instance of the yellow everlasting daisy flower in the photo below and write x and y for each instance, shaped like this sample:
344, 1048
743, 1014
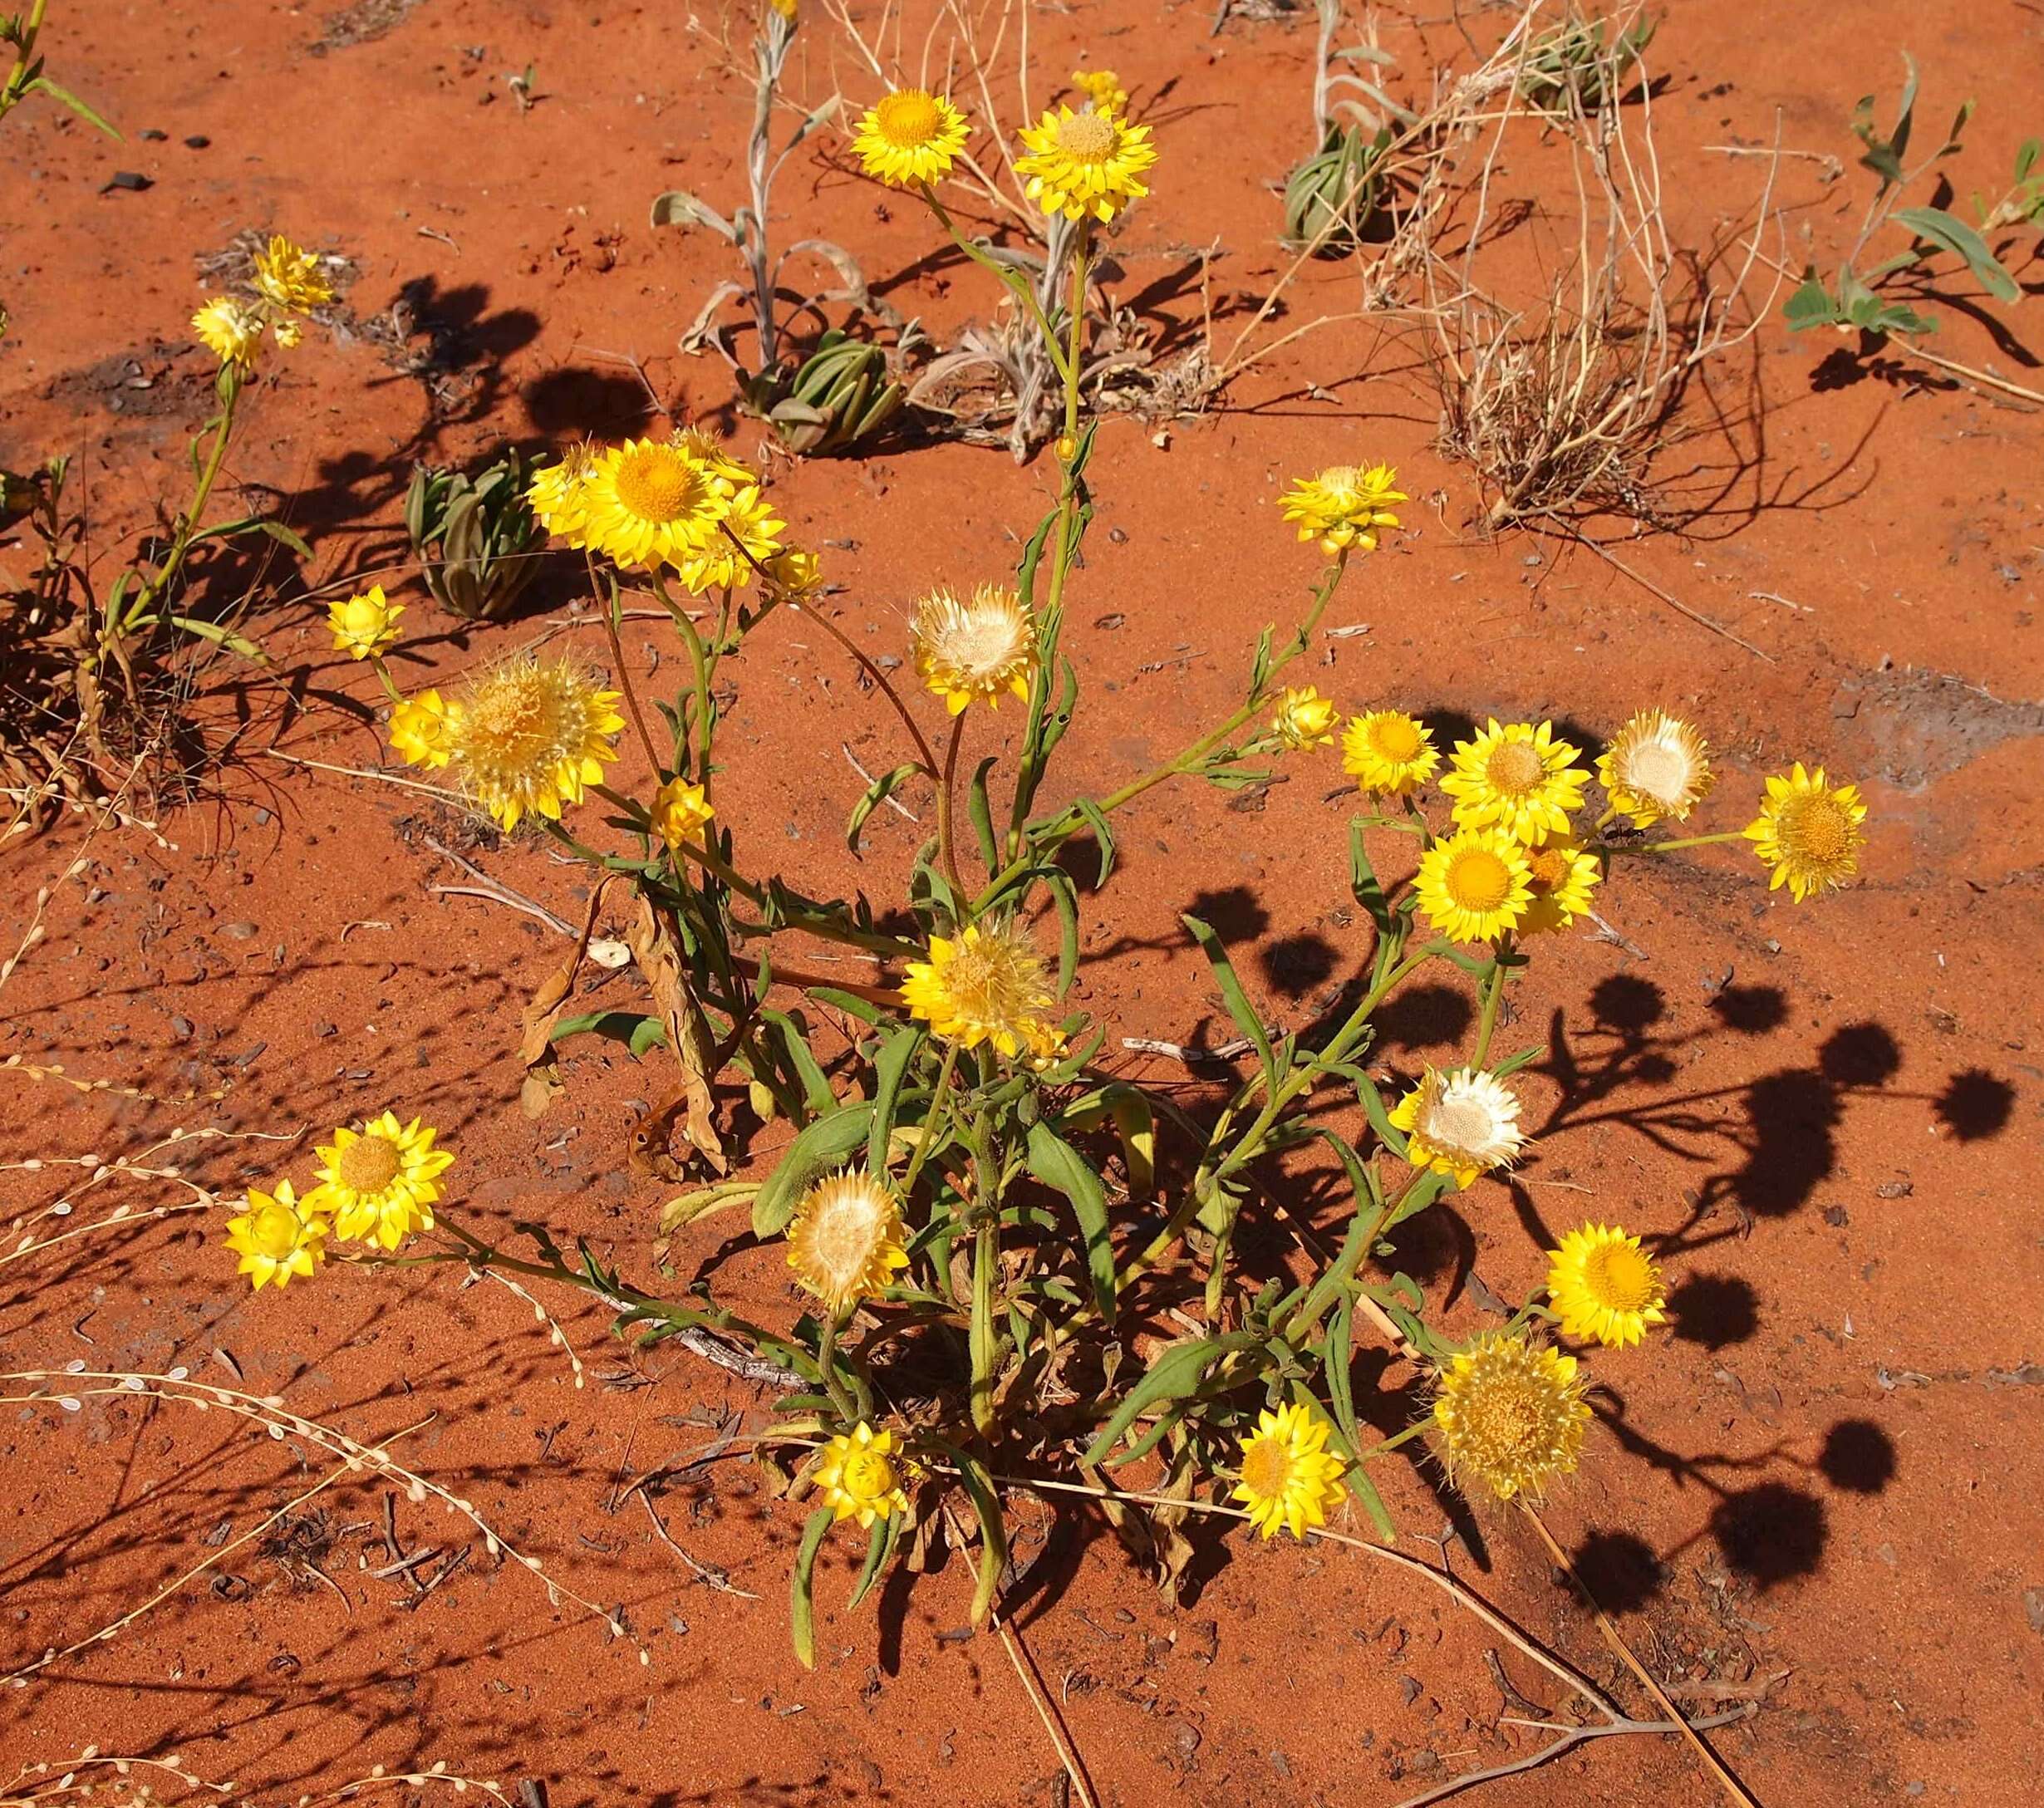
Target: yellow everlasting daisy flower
1602, 1285
1343, 506
844, 1242
1517, 777
988, 985
422, 729
681, 812
1305, 719
1475, 885
365, 624
525, 737
711, 453
1657, 766
969, 652
230, 329
290, 277
1512, 1414
1289, 1476
558, 495
1460, 1123
799, 573
859, 1478
380, 1182
1562, 876
1387, 753
1085, 163
748, 517
1809, 832
652, 503
277, 1237
1103, 87
910, 136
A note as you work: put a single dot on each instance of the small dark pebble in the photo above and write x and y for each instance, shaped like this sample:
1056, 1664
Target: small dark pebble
243, 931
1835, 1216
133, 180
1111, 621
1119, 536
1408, 1687
198, 141
153, 134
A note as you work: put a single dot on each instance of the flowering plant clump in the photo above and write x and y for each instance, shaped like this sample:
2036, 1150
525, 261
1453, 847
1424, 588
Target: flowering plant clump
974, 1219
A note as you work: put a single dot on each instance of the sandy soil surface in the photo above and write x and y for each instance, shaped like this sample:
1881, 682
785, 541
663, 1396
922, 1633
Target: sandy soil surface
1821, 1490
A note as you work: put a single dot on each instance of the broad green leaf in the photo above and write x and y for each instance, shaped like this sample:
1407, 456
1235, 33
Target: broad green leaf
636, 1031
827, 1140
1364, 886
1063, 1169
816, 1090
1810, 305
1956, 237
1178, 1369
981, 810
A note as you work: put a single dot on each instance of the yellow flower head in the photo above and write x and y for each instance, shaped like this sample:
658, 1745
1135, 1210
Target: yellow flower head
230, 329
1387, 753
785, 8
422, 729
714, 457
1304, 720
365, 624
277, 1237
1809, 832
749, 518
1562, 876
559, 494
910, 136
1603, 1285
652, 503
1085, 163
859, 1476
1657, 767
1517, 777
844, 1242
1512, 1414
380, 1182
1289, 1476
1103, 87
681, 812
526, 737
1460, 1123
969, 652
1475, 885
290, 277
799, 573
986, 986
1343, 506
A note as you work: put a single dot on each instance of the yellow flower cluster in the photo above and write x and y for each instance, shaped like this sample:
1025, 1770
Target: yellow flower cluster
377, 1183
524, 738
986, 984
288, 284
1085, 164
681, 504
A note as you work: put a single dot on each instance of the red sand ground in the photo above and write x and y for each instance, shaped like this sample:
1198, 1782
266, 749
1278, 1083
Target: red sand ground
1830, 1469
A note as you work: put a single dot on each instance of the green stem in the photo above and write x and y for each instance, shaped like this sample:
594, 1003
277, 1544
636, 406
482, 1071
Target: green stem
1012, 280
1493, 996
932, 1121
1688, 841
947, 849
158, 586
985, 1262
827, 1361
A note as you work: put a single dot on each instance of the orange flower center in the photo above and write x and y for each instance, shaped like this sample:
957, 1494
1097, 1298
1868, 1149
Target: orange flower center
1267, 1468
1619, 1277
908, 119
1090, 137
1477, 880
1397, 738
1514, 768
658, 483
1549, 868
1817, 829
369, 1164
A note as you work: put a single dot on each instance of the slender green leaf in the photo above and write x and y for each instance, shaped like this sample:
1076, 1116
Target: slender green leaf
981, 811
802, 1614
1063, 1169
1103, 836
65, 97
875, 794
1178, 1371
890, 1067
880, 1545
1237, 1000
